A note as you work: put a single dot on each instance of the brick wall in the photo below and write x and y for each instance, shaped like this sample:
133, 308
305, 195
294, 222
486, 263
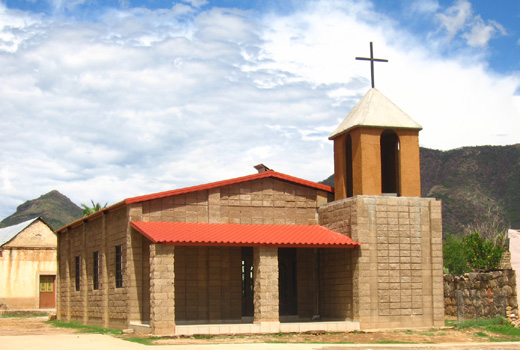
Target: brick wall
397, 272
76, 312
335, 271
263, 201
106, 306
95, 304
307, 282
208, 284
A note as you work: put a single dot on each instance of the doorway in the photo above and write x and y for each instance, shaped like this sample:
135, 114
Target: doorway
47, 288
247, 282
287, 288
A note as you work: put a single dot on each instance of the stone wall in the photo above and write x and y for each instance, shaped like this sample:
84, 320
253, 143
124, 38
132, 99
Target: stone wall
484, 294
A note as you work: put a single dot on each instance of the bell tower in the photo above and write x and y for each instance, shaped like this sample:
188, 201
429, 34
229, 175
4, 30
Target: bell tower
376, 150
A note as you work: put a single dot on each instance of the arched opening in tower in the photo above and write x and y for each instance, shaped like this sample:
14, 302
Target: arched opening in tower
390, 162
349, 182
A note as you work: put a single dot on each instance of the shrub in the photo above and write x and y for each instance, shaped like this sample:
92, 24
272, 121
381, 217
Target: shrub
472, 253
483, 254
454, 259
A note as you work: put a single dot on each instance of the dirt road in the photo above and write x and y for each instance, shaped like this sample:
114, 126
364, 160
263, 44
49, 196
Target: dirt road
33, 333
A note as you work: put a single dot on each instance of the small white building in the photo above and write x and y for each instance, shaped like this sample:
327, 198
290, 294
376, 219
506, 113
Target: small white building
27, 266
514, 249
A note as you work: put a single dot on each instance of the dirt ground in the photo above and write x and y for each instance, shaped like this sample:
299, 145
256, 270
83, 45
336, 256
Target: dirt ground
417, 337
37, 326
29, 326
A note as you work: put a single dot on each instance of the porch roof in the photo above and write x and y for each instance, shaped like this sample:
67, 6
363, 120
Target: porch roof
201, 234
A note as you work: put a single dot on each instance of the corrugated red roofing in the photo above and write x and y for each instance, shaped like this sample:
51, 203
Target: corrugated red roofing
265, 174
200, 234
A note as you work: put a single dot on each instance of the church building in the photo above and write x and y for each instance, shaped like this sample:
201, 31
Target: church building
269, 252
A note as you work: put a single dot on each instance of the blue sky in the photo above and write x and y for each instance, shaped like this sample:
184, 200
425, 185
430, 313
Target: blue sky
105, 100
502, 52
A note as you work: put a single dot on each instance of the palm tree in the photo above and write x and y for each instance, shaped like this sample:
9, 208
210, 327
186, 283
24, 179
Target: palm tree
91, 210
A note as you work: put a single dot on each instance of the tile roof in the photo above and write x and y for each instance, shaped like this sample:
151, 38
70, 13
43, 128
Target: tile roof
265, 174
202, 234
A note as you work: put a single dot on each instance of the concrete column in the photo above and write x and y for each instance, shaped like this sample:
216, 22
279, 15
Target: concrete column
265, 274
132, 280
70, 263
162, 289
59, 271
437, 263
85, 283
104, 270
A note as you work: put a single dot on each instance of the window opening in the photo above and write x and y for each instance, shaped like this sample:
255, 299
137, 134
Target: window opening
78, 272
119, 266
95, 275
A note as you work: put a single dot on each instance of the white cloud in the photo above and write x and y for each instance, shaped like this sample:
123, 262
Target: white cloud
455, 17
196, 3
480, 32
60, 6
424, 6
459, 19
143, 101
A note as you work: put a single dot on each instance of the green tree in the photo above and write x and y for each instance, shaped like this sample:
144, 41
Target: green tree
455, 259
472, 252
483, 254
91, 210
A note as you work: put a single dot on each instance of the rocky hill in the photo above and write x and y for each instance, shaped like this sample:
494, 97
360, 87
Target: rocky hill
56, 209
476, 184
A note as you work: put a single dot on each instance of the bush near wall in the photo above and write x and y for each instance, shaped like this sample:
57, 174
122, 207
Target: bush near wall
484, 294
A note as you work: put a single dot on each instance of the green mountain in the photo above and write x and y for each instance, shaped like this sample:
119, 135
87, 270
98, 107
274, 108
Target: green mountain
56, 209
477, 185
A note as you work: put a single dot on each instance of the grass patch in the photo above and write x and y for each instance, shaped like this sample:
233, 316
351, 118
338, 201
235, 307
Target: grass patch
202, 336
143, 341
450, 323
81, 328
275, 342
390, 342
24, 315
481, 334
497, 325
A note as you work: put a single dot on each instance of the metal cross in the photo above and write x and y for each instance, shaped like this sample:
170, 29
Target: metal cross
371, 59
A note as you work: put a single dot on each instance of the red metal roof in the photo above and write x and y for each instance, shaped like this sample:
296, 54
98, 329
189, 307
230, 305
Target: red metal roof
265, 174
199, 234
